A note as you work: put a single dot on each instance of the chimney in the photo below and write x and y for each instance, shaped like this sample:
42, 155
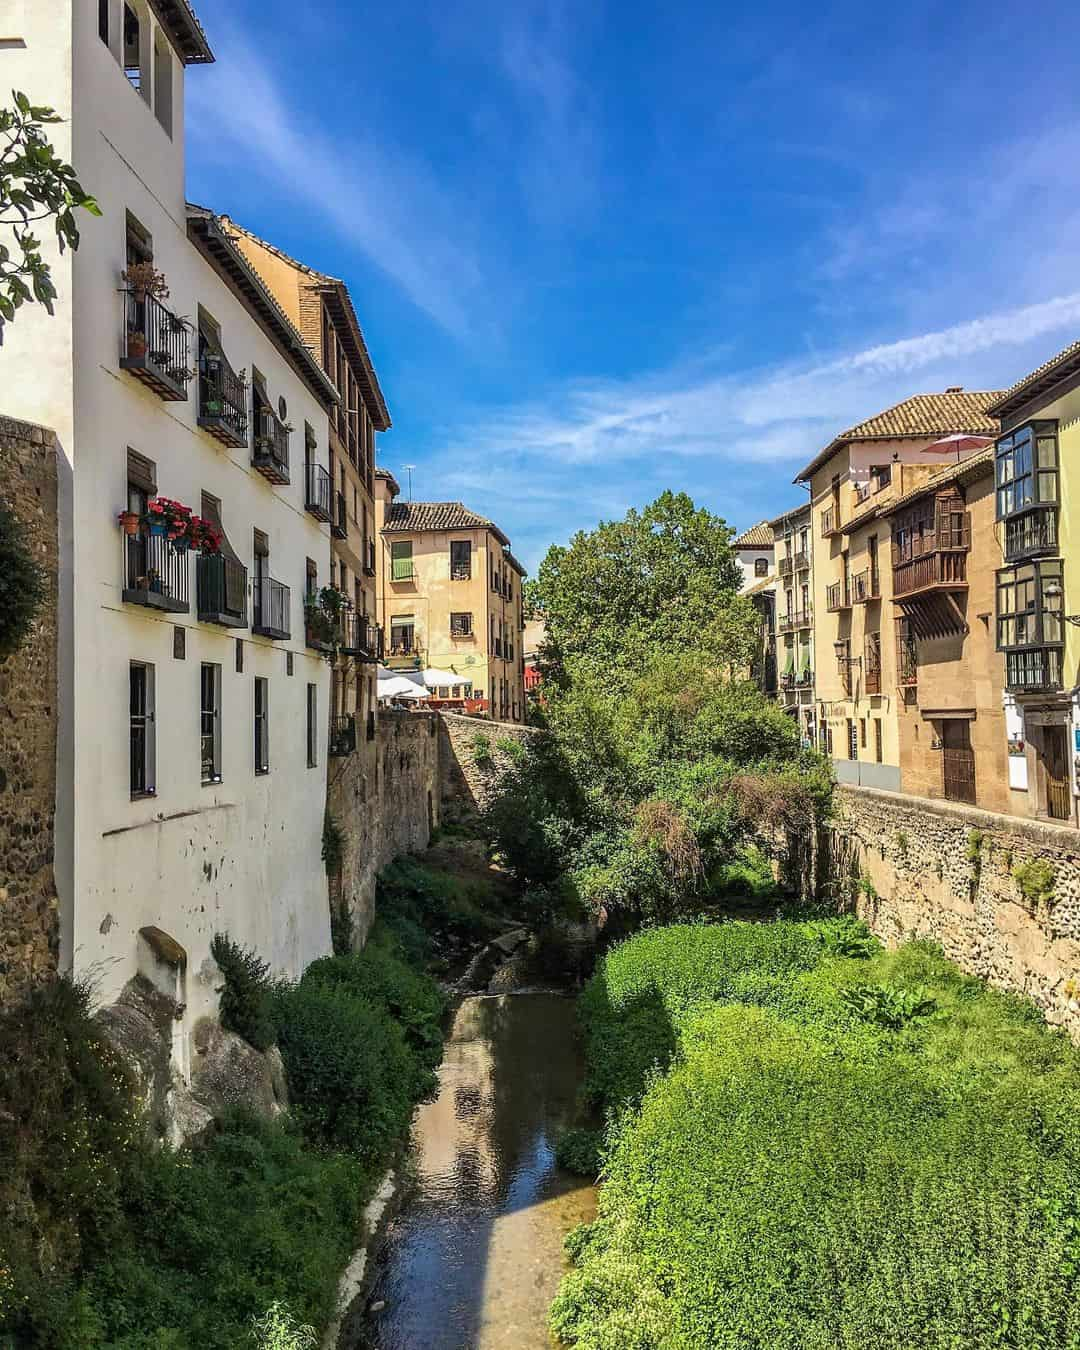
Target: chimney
955, 389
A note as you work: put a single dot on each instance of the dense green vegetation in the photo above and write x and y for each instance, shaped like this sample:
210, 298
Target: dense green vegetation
667, 780
108, 1240
837, 1146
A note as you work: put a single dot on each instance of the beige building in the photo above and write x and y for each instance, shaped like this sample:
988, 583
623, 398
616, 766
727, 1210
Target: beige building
343, 492
860, 642
449, 598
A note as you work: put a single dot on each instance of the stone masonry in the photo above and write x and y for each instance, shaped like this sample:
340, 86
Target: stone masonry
468, 778
29, 915
949, 872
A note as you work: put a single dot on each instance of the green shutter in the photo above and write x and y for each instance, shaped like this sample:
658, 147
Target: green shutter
401, 560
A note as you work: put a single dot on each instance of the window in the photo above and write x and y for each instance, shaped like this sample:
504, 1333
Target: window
163, 82
103, 21
862, 732
311, 582
133, 47
262, 725
460, 559
312, 725
853, 744
877, 739
1030, 604
141, 697
401, 560
402, 635
761, 567
1026, 464
460, 625
210, 722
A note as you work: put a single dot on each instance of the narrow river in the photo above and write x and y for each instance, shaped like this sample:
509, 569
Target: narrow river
474, 1259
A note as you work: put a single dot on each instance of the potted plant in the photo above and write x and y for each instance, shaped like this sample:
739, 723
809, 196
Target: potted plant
167, 517
129, 522
143, 279
136, 344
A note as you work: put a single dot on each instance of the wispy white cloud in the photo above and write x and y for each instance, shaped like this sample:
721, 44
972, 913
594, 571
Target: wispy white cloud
374, 195
766, 416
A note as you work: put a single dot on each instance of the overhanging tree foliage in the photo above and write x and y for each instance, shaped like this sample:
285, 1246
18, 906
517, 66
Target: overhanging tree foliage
36, 186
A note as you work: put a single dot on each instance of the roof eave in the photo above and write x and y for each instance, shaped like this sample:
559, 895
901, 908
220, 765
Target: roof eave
184, 31
336, 293
206, 232
1037, 386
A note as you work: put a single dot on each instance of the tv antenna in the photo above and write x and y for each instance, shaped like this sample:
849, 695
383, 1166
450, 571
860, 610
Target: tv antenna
408, 469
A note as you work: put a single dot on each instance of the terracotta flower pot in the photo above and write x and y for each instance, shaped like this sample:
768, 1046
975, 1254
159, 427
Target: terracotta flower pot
129, 522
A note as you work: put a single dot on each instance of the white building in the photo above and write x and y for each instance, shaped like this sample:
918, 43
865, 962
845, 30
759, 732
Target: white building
794, 616
192, 750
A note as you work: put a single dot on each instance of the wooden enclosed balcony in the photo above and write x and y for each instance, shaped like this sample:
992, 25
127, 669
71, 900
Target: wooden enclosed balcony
933, 572
930, 547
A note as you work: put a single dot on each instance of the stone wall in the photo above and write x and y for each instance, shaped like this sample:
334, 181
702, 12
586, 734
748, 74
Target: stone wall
467, 781
385, 798
29, 915
945, 871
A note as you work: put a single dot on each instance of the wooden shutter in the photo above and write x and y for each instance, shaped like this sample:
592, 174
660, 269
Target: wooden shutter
141, 472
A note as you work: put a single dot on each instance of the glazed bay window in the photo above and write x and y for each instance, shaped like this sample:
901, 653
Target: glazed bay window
141, 735
401, 560
262, 725
1026, 478
210, 721
1030, 626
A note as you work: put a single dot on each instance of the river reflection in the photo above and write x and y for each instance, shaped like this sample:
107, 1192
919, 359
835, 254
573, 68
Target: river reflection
475, 1259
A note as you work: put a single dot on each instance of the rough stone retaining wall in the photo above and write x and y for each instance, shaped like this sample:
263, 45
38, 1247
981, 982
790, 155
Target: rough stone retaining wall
466, 782
29, 915
946, 871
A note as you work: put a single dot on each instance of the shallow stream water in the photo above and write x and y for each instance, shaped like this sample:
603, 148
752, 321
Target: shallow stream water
475, 1257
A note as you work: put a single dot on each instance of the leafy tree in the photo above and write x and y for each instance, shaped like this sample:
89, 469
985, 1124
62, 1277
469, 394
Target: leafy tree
663, 578
35, 185
23, 584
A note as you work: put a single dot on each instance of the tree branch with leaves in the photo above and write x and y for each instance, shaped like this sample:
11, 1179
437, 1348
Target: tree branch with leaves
36, 186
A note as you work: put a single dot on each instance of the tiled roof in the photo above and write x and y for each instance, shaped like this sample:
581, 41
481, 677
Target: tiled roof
791, 519
757, 536
413, 517
919, 416
763, 585
965, 472
1045, 375
514, 563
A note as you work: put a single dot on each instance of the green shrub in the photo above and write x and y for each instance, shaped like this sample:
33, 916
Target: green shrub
845, 936
578, 1150
889, 1005
22, 583
1035, 880
247, 995
333, 845
481, 751
509, 746
417, 902
278, 1329
900, 839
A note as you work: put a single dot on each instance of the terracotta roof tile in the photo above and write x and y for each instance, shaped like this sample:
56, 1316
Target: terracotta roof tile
757, 536
917, 417
413, 517
1051, 369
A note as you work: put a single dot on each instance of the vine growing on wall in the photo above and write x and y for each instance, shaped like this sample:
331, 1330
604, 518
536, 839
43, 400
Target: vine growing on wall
22, 583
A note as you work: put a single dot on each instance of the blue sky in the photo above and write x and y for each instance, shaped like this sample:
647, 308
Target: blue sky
603, 249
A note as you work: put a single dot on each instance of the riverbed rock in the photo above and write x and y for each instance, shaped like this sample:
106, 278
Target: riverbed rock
508, 943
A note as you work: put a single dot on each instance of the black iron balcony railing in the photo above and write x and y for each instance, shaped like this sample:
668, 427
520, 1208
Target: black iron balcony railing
156, 346
270, 608
270, 450
221, 588
317, 491
369, 558
866, 585
830, 522
1034, 532
318, 627
155, 572
1033, 669
222, 401
794, 619
801, 560
339, 527
784, 567
361, 636
837, 596
342, 735
907, 662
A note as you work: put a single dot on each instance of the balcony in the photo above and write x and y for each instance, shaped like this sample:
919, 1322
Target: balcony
907, 663
369, 558
338, 523
271, 602
270, 451
801, 560
795, 619
222, 401
317, 491
837, 597
361, 636
936, 571
342, 736
221, 590
155, 572
866, 586
318, 626
1032, 533
156, 346
783, 567
1034, 670
830, 522
404, 654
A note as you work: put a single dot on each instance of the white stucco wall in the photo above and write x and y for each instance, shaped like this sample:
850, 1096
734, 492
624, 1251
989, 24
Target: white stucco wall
242, 855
